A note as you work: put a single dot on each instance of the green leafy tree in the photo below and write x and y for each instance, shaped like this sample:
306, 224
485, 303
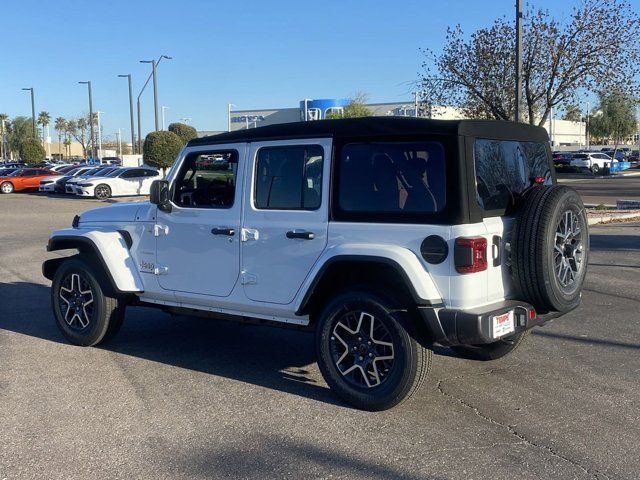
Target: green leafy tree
19, 129
184, 131
355, 108
572, 113
160, 149
32, 151
80, 130
615, 118
562, 56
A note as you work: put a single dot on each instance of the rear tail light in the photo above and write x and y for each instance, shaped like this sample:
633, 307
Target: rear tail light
470, 254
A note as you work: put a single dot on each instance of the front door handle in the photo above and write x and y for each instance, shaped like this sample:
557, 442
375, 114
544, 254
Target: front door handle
223, 231
299, 234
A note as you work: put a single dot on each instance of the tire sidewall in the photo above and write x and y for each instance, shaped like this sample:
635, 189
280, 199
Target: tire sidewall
394, 388
97, 327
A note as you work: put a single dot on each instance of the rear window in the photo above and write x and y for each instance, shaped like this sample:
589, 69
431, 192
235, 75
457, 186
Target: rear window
505, 168
392, 177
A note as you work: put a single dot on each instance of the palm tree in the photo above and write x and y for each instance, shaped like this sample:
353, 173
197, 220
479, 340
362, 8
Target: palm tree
3, 118
44, 119
61, 127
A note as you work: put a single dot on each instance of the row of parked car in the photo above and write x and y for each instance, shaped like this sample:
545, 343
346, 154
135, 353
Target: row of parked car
596, 161
101, 181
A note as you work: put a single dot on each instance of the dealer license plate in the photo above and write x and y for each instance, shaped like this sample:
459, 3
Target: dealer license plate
503, 324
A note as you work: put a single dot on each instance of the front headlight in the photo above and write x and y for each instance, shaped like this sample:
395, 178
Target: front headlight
85, 184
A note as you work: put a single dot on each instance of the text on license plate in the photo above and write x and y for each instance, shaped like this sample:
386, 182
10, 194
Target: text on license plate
503, 324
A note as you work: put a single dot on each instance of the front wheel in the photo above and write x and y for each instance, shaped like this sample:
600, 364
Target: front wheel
102, 192
491, 351
595, 169
367, 352
6, 187
85, 313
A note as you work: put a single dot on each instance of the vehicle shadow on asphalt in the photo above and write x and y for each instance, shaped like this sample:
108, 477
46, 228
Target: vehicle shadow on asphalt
587, 340
274, 358
614, 242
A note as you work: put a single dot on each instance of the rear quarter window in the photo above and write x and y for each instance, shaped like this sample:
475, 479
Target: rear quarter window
506, 168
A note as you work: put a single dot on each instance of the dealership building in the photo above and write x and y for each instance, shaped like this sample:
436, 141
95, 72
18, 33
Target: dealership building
561, 132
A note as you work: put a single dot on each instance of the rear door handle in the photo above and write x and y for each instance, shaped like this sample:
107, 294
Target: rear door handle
302, 235
223, 231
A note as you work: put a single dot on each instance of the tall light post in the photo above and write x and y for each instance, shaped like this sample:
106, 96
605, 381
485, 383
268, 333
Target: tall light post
133, 138
98, 113
154, 69
155, 98
163, 110
119, 135
229, 105
586, 127
518, 59
33, 110
93, 138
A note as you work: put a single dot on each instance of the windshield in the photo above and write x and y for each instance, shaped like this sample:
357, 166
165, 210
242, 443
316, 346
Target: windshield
15, 173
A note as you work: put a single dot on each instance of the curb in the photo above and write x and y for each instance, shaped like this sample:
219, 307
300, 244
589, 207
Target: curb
612, 217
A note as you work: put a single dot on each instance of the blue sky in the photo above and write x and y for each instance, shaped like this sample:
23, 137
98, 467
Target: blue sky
252, 53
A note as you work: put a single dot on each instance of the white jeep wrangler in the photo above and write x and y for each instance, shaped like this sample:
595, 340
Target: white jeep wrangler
385, 235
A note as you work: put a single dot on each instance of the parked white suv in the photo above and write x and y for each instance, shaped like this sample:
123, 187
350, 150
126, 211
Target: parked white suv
383, 235
591, 160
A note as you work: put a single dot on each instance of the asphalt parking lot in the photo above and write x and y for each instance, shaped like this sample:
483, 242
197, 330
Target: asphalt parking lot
179, 397
607, 191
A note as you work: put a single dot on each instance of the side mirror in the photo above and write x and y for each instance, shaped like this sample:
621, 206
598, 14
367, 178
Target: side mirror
159, 195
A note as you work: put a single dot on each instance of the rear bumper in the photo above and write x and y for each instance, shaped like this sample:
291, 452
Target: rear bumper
475, 326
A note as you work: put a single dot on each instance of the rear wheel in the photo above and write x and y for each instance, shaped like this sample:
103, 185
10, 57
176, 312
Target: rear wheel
102, 191
595, 169
85, 313
491, 351
6, 187
367, 352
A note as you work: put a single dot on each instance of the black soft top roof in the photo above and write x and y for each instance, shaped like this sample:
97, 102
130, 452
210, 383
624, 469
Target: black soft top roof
383, 127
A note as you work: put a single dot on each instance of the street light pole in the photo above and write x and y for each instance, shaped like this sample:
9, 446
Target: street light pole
163, 108
99, 137
119, 133
133, 139
586, 128
518, 59
229, 105
93, 138
33, 110
152, 75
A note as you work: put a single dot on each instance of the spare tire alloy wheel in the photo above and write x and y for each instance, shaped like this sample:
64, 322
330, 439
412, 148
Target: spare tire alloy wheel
76, 301
568, 254
362, 349
102, 192
6, 187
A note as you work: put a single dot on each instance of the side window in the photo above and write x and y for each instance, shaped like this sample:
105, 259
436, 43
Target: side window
505, 169
392, 178
289, 178
131, 174
207, 180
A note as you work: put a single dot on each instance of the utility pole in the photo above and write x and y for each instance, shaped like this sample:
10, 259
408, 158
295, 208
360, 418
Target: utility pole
119, 133
133, 138
518, 60
99, 137
33, 110
93, 137
229, 105
163, 109
586, 127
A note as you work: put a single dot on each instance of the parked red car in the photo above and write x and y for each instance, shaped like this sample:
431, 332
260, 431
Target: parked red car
24, 179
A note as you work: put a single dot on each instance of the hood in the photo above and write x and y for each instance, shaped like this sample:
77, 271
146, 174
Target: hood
53, 178
121, 212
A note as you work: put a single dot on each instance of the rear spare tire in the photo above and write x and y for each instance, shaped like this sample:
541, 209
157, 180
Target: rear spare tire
550, 248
